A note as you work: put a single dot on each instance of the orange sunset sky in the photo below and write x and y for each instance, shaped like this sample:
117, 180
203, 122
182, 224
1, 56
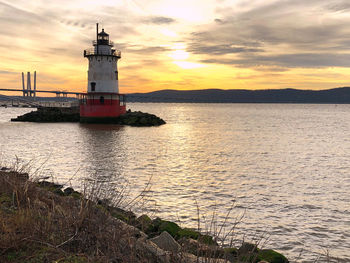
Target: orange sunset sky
180, 44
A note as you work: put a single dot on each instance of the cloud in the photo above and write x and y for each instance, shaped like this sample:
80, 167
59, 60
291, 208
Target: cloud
220, 49
339, 6
302, 60
144, 50
290, 33
219, 21
12, 20
5, 72
159, 20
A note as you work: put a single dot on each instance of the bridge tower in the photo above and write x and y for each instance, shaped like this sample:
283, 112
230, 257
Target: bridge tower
102, 102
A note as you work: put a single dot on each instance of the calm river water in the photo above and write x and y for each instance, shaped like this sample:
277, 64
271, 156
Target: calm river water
286, 167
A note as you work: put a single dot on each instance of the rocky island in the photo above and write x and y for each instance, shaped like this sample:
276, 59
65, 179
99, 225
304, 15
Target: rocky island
55, 114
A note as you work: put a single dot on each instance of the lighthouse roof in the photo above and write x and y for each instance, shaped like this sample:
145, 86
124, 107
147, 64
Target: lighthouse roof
103, 33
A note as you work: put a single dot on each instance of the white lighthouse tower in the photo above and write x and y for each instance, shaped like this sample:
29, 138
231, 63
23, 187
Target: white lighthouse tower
102, 102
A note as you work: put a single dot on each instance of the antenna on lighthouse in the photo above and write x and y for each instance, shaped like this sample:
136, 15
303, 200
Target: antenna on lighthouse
97, 38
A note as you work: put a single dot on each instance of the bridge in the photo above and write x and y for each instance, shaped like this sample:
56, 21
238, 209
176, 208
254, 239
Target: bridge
35, 102
29, 94
57, 92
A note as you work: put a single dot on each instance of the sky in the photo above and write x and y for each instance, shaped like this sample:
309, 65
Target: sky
182, 44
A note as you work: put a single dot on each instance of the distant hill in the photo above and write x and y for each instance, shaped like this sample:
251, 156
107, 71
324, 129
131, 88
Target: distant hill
337, 95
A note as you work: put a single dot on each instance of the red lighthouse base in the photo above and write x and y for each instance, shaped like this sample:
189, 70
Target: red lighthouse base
101, 107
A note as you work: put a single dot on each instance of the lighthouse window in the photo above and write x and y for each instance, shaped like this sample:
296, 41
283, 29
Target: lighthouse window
102, 100
116, 75
93, 86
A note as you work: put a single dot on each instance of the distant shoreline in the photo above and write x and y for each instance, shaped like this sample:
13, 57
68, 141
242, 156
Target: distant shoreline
290, 96
273, 96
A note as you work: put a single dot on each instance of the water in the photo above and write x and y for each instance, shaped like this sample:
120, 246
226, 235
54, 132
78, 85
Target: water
285, 166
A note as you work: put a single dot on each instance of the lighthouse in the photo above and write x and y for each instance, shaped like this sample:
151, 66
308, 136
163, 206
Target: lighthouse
102, 102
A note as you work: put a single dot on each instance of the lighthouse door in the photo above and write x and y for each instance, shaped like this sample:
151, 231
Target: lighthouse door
102, 100
93, 86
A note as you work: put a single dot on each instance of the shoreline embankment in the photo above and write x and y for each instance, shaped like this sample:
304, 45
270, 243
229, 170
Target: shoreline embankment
43, 221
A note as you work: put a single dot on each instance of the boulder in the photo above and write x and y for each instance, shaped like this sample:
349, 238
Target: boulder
166, 242
248, 252
271, 256
201, 249
151, 251
247, 248
143, 222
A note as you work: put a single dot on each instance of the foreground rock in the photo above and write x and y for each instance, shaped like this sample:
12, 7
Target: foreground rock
72, 115
167, 242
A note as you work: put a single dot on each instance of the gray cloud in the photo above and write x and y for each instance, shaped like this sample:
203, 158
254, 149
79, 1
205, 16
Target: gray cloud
339, 6
305, 60
144, 50
273, 68
300, 28
81, 24
220, 49
5, 72
159, 20
13, 20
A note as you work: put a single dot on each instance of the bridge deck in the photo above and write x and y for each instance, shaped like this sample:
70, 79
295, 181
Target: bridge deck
44, 91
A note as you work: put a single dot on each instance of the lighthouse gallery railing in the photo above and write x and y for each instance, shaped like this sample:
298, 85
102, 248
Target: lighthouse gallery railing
92, 52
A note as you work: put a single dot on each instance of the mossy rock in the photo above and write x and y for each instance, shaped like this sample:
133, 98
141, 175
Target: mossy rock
58, 192
170, 227
69, 191
126, 216
271, 256
120, 216
76, 195
143, 222
188, 233
248, 248
208, 240
52, 187
145, 218
157, 226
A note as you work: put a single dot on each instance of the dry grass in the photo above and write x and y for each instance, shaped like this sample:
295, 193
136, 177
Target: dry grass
37, 225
